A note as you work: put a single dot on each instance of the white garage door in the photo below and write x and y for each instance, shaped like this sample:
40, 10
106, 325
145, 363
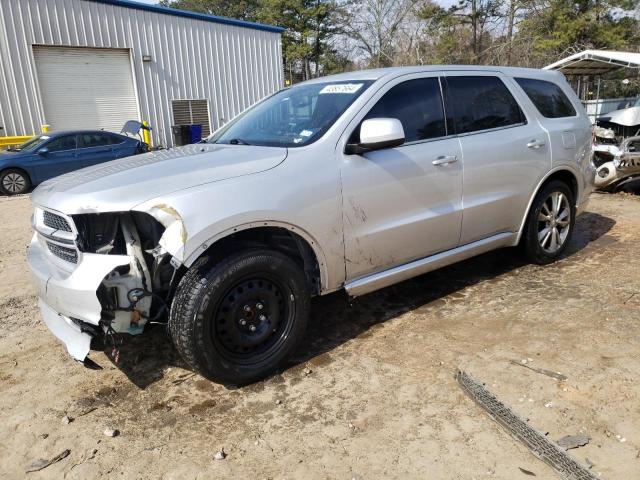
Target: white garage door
86, 87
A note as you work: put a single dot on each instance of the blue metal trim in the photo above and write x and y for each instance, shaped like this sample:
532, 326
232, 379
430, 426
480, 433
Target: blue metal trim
188, 14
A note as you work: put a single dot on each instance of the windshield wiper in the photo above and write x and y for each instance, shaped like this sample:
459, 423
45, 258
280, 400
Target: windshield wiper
14, 149
238, 141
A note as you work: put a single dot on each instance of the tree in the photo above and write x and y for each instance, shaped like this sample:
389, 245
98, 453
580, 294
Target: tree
553, 28
382, 30
475, 16
309, 27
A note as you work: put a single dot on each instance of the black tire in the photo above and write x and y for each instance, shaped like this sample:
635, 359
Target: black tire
14, 181
211, 303
533, 237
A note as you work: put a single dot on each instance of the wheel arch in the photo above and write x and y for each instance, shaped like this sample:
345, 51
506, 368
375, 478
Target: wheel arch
283, 237
564, 174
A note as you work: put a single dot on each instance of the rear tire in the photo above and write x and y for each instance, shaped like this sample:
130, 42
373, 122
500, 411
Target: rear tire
236, 321
550, 223
14, 181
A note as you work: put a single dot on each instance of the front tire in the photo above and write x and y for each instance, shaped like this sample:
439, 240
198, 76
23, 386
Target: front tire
14, 182
550, 223
236, 321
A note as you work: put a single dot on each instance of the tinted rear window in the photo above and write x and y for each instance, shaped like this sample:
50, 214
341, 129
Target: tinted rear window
89, 140
482, 103
548, 98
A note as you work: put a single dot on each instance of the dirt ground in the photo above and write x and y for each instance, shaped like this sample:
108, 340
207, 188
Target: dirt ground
380, 400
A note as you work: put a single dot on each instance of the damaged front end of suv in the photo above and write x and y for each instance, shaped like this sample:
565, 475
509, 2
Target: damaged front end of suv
616, 150
99, 274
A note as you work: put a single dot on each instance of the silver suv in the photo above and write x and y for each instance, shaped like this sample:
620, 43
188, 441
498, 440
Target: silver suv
355, 182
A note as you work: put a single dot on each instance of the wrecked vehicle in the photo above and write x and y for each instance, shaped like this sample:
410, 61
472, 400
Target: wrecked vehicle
355, 182
616, 149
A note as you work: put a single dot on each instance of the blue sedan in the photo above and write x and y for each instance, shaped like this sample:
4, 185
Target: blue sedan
45, 156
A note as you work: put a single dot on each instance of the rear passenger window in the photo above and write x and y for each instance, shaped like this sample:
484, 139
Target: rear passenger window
548, 98
482, 103
418, 106
115, 139
88, 140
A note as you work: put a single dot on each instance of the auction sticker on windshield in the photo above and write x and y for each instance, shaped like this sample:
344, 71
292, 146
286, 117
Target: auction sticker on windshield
342, 88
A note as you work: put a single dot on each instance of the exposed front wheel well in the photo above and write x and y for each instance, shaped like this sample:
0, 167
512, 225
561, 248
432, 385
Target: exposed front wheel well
273, 238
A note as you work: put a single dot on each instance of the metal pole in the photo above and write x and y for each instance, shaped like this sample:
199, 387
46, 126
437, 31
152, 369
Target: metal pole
598, 105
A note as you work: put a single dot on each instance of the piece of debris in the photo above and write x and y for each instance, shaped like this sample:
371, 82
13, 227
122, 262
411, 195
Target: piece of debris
573, 441
86, 458
66, 420
527, 472
41, 463
111, 432
538, 443
548, 404
220, 455
278, 402
542, 371
307, 371
44, 436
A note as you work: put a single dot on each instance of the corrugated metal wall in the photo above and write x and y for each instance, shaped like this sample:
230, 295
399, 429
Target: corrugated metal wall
231, 66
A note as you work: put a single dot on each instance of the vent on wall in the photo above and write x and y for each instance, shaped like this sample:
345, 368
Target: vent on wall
192, 112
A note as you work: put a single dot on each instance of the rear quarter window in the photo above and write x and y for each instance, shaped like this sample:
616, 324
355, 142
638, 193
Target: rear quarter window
548, 98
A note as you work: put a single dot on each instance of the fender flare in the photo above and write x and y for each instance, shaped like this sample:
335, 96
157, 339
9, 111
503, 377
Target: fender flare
559, 168
306, 236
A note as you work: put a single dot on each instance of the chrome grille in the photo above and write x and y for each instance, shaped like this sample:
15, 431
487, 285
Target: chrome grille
67, 254
57, 222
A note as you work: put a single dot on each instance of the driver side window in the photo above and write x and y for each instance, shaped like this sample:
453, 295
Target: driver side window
67, 142
418, 105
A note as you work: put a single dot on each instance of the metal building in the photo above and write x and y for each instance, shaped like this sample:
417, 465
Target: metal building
97, 63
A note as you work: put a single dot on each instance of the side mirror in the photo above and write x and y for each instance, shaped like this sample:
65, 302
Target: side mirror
44, 151
376, 134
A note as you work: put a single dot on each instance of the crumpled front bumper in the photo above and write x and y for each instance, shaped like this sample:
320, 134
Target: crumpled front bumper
64, 295
77, 342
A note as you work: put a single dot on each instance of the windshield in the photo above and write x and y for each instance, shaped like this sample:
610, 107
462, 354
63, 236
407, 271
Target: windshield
292, 117
32, 144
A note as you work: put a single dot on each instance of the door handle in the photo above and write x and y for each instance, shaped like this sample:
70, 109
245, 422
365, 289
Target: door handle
445, 160
535, 144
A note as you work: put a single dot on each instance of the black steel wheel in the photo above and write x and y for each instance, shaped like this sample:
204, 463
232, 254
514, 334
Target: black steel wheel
236, 321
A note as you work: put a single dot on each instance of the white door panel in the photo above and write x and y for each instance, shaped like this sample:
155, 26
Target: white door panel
500, 174
404, 203
399, 206
505, 152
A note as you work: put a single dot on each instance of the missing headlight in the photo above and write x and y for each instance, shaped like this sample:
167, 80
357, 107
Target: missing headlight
100, 233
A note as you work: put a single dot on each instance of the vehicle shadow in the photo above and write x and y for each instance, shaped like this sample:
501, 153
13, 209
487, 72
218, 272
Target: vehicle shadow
335, 320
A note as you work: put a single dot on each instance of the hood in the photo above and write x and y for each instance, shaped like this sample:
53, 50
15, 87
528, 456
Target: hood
627, 117
122, 184
6, 154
